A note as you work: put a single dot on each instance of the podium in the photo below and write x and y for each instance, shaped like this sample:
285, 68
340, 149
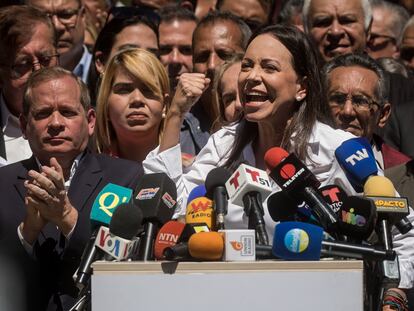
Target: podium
242, 286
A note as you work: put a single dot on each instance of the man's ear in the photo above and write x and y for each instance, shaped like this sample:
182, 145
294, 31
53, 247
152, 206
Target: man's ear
384, 115
23, 125
91, 117
100, 67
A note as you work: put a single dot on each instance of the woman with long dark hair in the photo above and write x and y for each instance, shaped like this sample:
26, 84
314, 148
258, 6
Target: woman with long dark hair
283, 105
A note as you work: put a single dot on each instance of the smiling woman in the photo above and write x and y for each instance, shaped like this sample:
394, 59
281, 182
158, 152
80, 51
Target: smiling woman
132, 101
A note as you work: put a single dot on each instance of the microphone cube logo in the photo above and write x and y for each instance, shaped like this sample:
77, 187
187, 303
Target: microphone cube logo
107, 201
117, 247
296, 240
245, 179
168, 200
147, 193
239, 245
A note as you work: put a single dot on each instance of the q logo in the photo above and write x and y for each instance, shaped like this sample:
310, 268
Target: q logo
287, 171
296, 240
108, 200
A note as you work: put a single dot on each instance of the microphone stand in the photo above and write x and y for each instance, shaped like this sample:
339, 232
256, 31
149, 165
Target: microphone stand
83, 303
387, 270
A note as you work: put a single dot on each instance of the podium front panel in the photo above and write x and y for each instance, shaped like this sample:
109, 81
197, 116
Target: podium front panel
207, 286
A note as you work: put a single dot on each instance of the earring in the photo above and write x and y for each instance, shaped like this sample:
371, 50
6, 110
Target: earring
298, 98
163, 115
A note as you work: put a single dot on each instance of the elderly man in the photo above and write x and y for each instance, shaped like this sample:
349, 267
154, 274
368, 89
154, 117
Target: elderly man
27, 43
357, 95
386, 31
68, 17
337, 27
217, 38
357, 91
50, 195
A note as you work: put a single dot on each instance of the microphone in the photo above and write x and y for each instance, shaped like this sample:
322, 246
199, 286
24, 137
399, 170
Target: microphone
179, 250
297, 180
248, 187
200, 210
381, 190
199, 191
156, 196
201, 246
167, 236
206, 245
357, 159
357, 218
119, 241
102, 210
216, 190
302, 241
281, 207
334, 196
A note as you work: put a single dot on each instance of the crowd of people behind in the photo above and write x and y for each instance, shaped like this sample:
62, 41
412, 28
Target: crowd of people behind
95, 92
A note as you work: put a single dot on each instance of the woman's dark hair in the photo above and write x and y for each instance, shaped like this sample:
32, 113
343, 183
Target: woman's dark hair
105, 42
314, 107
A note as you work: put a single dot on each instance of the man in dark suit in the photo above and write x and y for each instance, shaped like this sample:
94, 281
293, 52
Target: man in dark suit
46, 200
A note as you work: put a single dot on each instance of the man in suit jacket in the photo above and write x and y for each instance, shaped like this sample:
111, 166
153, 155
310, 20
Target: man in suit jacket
46, 200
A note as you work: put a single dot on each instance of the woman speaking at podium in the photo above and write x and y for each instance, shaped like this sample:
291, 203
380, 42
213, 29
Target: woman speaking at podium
283, 104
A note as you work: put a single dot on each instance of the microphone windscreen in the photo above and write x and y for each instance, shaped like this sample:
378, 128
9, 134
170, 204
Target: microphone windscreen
167, 236
379, 186
274, 156
297, 241
281, 207
106, 203
199, 191
200, 210
206, 245
126, 221
357, 217
217, 177
357, 159
156, 196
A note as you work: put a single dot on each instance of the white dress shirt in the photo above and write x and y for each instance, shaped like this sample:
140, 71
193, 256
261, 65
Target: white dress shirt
17, 148
321, 147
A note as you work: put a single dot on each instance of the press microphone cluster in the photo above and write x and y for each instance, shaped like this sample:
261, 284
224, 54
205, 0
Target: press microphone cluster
300, 184
103, 208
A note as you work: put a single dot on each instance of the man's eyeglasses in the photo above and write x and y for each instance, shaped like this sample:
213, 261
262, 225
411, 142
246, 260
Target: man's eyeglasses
66, 17
20, 69
359, 102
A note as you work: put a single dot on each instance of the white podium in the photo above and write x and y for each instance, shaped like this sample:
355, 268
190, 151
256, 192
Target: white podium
209, 286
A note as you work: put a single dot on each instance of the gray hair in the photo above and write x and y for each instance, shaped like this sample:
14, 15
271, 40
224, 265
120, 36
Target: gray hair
397, 13
409, 23
366, 7
364, 61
